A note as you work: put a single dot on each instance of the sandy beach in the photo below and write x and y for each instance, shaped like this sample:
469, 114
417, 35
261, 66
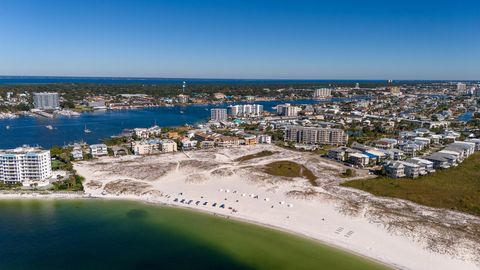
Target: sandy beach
398, 233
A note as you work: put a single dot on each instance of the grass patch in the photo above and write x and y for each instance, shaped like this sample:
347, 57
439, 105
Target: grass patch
455, 188
264, 153
348, 173
290, 169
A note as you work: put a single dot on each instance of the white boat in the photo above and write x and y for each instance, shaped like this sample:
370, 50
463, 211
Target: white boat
7, 127
86, 130
49, 127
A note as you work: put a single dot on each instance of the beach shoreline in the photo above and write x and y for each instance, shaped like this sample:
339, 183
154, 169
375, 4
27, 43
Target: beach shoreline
61, 197
323, 213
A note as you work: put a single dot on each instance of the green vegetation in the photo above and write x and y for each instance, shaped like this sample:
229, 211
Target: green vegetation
456, 188
265, 153
62, 158
116, 141
348, 173
63, 161
73, 183
4, 186
290, 169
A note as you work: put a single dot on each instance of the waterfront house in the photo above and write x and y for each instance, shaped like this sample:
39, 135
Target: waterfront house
98, 150
77, 153
167, 146
145, 147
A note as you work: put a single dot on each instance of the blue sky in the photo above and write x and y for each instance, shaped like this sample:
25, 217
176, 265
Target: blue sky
242, 39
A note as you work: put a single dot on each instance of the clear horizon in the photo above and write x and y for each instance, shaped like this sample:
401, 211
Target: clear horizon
257, 40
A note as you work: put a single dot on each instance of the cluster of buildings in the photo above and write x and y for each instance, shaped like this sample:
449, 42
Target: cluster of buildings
209, 139
153, 146
452, 155
390, 154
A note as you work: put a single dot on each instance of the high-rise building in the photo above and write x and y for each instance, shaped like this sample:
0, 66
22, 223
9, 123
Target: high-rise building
315, 135
461, 86
288, 110
245, 110
218, 114
322, 93
23, 164
46, 101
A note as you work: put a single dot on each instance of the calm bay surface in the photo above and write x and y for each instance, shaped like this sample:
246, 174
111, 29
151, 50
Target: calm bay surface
103, 124
94, 234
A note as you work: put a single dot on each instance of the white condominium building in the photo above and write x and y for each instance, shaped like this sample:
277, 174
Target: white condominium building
245, 110
218, 114
322, 93
46, 101
288, 110
315, 135
23, 164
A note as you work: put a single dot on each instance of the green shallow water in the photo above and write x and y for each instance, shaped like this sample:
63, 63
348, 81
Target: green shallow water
91, 234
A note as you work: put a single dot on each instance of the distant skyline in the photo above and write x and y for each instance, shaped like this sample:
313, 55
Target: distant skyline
264, 39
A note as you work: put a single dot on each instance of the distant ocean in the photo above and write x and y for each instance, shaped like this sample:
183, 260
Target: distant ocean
125, 80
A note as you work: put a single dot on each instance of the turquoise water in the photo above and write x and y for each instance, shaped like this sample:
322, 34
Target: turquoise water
91, 234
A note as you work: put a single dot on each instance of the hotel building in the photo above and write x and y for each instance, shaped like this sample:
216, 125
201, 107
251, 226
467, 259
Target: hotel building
245, 110
23, 164
218, 114
315, 135
322, 93
46, 101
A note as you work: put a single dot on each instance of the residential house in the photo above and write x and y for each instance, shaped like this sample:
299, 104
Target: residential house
426, 164
395, 169
250, 140
266, 139
358, 159
98, 150
412, 170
